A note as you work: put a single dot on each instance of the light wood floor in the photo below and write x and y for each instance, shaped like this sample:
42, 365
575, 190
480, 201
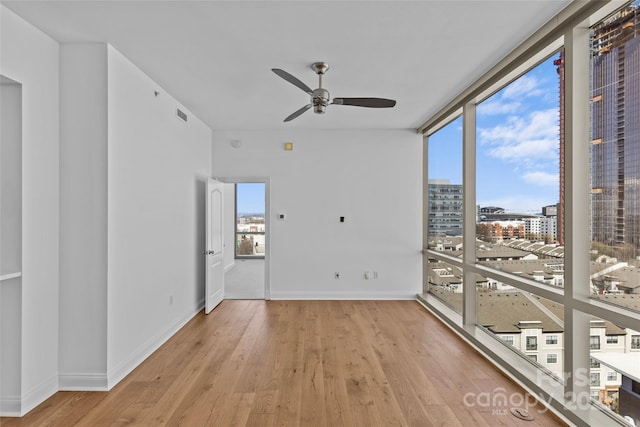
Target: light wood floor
300, 363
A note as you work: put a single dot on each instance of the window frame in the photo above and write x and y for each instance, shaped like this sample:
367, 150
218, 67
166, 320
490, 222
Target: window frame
531, 343
635, 342
594, 379
612, 339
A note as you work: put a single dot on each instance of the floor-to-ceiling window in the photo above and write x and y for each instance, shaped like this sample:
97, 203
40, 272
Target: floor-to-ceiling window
545, 276
444, 217
518, 181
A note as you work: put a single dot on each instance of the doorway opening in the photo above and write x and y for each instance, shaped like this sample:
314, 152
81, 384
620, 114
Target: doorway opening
247, 274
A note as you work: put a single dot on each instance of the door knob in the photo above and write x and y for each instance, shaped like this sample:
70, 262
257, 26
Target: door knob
206, 252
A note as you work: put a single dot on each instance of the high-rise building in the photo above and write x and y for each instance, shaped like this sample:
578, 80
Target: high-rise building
445, 208
615, 129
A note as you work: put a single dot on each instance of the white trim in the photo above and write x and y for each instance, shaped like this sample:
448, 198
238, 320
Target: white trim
469, 210
312, 295
82, 382
39, 394
577, 187
125, 367
10, 406
425, 210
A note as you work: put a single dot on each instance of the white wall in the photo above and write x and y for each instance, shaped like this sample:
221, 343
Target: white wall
373, 178
132, 204
11, 176
157, 171
83, 216
30, 57
11, 244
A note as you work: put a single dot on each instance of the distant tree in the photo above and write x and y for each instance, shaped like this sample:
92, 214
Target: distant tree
622, 251
483, 231
626, 251
246, 246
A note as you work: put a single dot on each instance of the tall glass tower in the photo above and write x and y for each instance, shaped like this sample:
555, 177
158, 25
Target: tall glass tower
615, 129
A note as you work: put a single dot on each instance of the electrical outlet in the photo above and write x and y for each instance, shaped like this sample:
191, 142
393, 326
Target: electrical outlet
336, 275
375, 274
170, 299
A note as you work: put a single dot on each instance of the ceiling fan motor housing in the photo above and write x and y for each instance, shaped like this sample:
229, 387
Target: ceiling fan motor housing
320, 100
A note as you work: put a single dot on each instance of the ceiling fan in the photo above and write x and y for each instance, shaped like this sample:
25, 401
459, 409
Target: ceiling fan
320, 98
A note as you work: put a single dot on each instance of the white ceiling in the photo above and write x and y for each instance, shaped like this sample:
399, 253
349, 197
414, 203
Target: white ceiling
215, 56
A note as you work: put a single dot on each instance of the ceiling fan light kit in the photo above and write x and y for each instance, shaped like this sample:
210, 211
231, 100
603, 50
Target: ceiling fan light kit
320, 98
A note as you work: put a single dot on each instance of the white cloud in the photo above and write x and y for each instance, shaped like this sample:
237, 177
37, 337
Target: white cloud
496, 106
525, 86
523, 138
518, 137
509, 100
541, 178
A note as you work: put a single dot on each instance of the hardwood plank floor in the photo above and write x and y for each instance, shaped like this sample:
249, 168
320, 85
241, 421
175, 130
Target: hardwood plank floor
300, 363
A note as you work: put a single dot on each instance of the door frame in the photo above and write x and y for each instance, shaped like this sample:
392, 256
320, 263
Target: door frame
267, 220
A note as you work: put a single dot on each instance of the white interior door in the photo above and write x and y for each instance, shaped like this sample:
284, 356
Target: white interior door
214, 287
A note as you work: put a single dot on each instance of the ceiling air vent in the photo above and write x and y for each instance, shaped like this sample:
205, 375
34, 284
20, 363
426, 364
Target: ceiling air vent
181, 114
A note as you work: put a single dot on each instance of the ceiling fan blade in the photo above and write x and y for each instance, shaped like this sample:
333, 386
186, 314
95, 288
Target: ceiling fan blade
365, 102
293, 80
297, 113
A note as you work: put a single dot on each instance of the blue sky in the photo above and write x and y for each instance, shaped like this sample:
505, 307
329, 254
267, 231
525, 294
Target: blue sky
250, 197
517, 144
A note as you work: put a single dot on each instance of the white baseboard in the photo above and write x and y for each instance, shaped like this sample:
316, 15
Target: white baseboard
82, 382
145, 350
276, 295
16, 406
10, 406
38, 394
